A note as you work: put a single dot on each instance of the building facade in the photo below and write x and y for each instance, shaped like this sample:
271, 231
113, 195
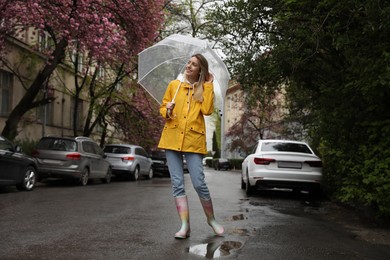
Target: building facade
20, 65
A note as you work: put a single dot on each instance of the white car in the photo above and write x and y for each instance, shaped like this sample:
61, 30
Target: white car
129, 161
281, 164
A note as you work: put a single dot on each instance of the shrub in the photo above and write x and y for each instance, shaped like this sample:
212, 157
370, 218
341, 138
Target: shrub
27, 145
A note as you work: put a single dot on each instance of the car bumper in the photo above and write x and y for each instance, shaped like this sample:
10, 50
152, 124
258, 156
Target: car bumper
299, 185
59, 173
286, 179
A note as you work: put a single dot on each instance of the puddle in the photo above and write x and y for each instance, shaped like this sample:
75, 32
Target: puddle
241, 231
215, 249
238, 217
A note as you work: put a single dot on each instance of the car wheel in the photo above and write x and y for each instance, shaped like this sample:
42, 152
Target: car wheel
316, 193
135, 175
107, 179
243, 185
84, 177
249, 189
150, 174
29, 179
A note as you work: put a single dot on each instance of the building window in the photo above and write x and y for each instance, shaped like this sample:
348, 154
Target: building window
45, 42
78, 60
45, 114
79, 113
101, 72
6, 82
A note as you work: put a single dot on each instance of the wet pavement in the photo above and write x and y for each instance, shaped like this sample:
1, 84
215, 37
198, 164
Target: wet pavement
137, 220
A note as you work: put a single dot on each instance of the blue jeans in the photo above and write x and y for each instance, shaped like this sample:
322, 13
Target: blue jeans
195, 167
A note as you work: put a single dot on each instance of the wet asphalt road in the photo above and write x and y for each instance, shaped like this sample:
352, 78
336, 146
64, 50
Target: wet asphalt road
137, 220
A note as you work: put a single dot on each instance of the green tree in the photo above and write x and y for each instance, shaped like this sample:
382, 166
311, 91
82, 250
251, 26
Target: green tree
334, 58
216, 150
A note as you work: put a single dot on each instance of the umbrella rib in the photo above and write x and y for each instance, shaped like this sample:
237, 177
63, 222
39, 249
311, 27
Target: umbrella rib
152, 69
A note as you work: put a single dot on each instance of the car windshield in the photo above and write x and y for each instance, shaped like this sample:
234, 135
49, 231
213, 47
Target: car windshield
57, 144
117, 149
158, 154
285, 147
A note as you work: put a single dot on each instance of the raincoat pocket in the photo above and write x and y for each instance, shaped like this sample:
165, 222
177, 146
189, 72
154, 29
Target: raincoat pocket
198, 129
172, 123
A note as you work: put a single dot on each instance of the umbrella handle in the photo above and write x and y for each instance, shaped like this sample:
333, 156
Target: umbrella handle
174, 97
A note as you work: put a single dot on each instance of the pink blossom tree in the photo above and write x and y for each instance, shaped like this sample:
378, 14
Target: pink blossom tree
108, 31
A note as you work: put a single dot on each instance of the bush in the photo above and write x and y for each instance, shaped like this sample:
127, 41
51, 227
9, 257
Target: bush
236, 163
360, 177
27, 145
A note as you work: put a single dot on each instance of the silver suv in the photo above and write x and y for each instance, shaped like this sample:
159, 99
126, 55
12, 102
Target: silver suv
71, 157
129, 161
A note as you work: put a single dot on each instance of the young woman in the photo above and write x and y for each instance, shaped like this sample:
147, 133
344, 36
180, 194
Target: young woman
184, 105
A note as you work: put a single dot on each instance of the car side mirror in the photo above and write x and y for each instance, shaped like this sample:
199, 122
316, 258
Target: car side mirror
18, 149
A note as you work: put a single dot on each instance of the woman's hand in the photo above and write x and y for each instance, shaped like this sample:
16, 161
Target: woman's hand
170, 106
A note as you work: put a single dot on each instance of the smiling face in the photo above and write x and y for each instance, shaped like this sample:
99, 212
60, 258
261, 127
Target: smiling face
192, 70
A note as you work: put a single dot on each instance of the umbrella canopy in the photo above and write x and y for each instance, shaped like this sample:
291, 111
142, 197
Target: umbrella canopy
166, 60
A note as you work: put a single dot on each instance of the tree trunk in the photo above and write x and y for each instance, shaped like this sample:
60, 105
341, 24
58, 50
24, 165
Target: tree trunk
25, 104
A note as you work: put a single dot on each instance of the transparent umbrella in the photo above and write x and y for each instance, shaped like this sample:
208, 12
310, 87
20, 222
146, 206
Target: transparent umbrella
166, 60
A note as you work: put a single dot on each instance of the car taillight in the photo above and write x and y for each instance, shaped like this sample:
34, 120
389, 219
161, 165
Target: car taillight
314, 163
128, 158
73, 156
263, 161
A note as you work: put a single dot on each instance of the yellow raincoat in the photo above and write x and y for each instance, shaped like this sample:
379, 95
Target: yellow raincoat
185, 130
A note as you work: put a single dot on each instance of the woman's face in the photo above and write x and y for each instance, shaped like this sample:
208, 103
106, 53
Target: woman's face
193, 69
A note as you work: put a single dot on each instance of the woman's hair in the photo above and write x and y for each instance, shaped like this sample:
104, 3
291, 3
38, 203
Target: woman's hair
204, 75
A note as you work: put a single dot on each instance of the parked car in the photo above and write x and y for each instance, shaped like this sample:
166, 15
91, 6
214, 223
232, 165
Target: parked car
16, 167
281, 164
130, 161
79, 158
206, 159
222, 163
160, 162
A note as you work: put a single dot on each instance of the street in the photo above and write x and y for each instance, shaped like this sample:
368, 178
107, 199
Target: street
137, 220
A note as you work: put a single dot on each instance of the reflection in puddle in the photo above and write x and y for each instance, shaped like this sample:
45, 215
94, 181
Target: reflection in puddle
241, 231
212, 250
238, 217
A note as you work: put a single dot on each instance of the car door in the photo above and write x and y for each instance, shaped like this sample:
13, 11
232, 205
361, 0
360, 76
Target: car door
93, 159
144, 160
10, 164
100, 160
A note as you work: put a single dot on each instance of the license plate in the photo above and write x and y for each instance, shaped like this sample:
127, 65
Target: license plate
293, 165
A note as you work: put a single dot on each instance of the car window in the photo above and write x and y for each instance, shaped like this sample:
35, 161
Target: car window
285, 147
57, 144
88, 147
140, 151
4, 145
158, 154
117, 149
97, 149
